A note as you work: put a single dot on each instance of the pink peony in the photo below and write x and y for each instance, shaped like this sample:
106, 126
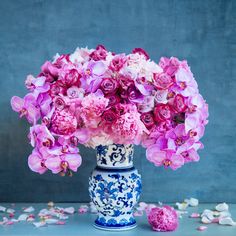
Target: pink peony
63, 122
163, 219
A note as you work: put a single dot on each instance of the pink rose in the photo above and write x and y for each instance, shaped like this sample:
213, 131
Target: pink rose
162, 112
99, 54
56, 89
141, 52
59, 103
162, 81
148, 119
109, 116
125, 82
109, 86
117, 63
179, 103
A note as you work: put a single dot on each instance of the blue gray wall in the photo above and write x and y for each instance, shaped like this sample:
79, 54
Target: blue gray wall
203, 32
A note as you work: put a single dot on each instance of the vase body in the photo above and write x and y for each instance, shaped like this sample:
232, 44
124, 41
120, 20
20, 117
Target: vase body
115, 187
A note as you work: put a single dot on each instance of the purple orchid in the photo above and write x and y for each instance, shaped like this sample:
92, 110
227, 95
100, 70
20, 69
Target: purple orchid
26, 107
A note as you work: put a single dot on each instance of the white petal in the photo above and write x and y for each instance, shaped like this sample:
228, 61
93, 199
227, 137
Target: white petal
10, 211
227, 221
205, 220
2, 209
192, 202
22, 217
69, 210
39, 224
29, 209
222, 207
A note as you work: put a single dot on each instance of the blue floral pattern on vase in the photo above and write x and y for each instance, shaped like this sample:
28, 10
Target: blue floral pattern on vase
115, 190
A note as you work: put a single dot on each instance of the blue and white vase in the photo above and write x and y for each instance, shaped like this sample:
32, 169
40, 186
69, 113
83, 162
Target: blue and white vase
115, 187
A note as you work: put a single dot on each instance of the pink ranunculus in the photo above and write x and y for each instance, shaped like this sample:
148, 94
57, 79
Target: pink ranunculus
109, 117
162, 112
179, 104
109, 85
99, 54
36, 162
166, 158
26, 107
163, 219
117, 62
63, 122
162, 81
148, 119
141, 52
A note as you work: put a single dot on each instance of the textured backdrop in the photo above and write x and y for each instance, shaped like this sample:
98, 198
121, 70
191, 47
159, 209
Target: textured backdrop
203, 32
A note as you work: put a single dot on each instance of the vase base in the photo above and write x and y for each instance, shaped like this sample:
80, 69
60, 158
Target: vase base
115, 228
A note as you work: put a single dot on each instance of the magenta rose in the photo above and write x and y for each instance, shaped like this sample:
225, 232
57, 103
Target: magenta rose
50, 71
71, 77
99, 54
162, 81
117, 63
179, 103
59, 103
148, 119
56, 89
113, 99
162, 112
109, 116
141, 52
109, 86
125, 82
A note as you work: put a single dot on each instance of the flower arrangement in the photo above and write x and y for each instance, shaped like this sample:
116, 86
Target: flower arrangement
94, 97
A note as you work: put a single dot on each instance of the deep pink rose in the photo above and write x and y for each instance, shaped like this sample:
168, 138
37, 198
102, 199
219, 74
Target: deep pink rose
109, 86
113, 99
50, 71
148, 119
117, 63
162, 112
179, 103
134, 95
109, 116
141, 52
57, 88
99, 54
71, 77
162, 81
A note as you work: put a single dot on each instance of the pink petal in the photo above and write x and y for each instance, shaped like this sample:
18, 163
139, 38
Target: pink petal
177, 161
54, 164
35, 163
98, 68
74, 161
17, 103
202, 228
154, 155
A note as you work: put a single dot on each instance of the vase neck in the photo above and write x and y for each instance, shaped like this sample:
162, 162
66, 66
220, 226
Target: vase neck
115, 156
